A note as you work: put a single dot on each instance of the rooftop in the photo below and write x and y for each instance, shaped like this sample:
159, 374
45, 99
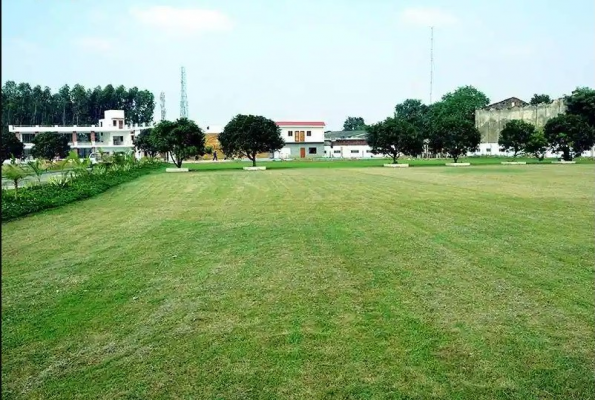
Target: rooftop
301, 123
332, 135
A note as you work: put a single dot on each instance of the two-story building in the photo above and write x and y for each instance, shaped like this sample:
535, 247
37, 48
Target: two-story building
111, 135
302, 139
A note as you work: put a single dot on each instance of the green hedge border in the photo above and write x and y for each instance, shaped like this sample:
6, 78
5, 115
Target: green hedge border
38, 198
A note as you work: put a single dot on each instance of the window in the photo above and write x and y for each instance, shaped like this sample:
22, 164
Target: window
114, 121
100, 123
337, 151
83, 137
311, 150
308, 133
489, 150
354, 151
290, 133
118, 140
27, 137
368, 151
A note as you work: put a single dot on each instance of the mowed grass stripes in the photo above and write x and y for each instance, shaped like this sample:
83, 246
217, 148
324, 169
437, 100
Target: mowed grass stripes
317, 283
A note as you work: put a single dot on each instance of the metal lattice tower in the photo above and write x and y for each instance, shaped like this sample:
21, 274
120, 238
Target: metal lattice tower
183, 96
162, 104
431, 62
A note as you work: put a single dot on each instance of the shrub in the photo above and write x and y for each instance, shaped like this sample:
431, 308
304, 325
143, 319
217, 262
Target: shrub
77, 187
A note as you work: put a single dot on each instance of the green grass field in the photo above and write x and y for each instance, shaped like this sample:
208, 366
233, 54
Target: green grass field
347, 163
342, 283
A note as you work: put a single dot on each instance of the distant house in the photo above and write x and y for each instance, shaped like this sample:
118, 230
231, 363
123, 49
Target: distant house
347, 144
303, 139
511, 102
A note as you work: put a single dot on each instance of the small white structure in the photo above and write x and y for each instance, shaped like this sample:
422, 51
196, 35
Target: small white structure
111, 135
349, 148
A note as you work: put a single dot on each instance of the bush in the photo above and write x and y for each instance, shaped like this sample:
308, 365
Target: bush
42, 197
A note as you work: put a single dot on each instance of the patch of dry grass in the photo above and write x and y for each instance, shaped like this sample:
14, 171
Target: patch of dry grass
316, 283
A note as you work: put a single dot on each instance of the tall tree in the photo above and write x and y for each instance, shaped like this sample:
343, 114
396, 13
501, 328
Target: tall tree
145, 141
515, 135
540, 99
582, 103
48, 145
11, 146
180, 139
454, 135
537, 145
394, 136
569, 134
248, 135
23, 105
461, 104
66, 104
80, 104
416, 113
354, 124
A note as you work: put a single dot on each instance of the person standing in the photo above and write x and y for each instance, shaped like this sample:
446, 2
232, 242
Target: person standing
215, 155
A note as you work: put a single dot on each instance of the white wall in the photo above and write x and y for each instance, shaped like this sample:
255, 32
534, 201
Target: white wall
350, 151
316, 133
493, 149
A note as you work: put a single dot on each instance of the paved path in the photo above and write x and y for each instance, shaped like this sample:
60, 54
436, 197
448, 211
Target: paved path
7, 184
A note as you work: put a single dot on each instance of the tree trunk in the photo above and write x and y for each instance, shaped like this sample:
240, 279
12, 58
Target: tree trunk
253, 159
455, 157
566, 154
395, 156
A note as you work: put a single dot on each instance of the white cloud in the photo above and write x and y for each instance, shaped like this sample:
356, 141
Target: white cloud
93, 43
182, 20
517, 50
427, 16
25, 46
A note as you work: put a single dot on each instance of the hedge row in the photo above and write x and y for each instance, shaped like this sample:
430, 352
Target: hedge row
42, 197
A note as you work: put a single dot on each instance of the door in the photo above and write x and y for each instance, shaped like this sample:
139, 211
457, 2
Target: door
302, 152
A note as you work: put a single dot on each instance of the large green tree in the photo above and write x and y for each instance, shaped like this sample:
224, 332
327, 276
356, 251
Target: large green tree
354, 124
180, 139
569, 134
145, 141
454, 135
394, 136
537, 145
515, 135
48, 145
248, 135
460, 103
416, 113
582, 103
11, 146
540, 99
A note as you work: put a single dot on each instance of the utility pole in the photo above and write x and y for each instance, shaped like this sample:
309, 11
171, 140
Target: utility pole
183, 96
431, 62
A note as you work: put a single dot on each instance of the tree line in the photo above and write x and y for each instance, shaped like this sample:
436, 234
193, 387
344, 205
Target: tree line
23, 104
448, 127
243, 136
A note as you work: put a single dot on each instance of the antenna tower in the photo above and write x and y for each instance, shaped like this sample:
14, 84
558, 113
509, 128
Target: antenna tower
183, 96
431, 62
162, 104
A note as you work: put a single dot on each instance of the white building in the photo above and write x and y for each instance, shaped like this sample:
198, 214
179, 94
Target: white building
303, 139
111, 135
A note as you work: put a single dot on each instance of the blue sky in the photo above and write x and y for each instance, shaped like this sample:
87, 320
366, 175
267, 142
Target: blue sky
301, 59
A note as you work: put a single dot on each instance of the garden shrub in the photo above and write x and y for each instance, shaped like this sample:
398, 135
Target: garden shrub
42, 197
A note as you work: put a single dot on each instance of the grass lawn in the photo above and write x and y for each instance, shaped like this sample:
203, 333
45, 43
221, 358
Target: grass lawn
361, 283
378, 162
